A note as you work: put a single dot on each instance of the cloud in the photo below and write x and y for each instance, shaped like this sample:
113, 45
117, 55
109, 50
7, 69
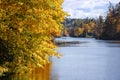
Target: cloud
87, 8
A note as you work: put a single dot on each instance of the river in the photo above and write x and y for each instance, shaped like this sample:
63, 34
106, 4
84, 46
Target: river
90, 59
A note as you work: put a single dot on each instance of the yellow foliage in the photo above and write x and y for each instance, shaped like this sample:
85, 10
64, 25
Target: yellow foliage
118, 28
28, 27
65, 32
78, 31
92, 25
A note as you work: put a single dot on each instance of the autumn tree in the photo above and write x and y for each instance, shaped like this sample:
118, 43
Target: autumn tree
112, 23
27, 28
76, 32
80, 27
99, 27
65, 32
88, 28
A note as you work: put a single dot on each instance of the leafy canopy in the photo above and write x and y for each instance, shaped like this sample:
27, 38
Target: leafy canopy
27, 28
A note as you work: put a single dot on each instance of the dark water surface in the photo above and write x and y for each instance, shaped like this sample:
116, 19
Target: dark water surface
90, 60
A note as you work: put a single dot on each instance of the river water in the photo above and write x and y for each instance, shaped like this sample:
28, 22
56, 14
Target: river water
91, 59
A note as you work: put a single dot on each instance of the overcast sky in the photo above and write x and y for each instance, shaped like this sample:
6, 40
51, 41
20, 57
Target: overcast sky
87, 8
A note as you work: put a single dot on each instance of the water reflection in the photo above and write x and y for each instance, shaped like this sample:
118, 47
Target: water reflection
37, 74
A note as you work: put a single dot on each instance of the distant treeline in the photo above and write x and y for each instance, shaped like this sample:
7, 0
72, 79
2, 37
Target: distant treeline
100, 28
79, 27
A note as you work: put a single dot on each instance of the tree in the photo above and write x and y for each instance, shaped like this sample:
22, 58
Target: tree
76, 32
99, 27
27, 28
111, 29
65, 32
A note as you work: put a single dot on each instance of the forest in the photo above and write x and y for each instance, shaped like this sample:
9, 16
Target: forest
107, 28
